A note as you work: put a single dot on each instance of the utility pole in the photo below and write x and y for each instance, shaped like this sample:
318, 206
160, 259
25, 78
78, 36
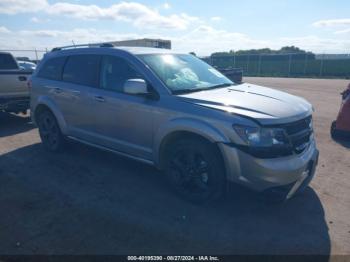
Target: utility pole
36, 54
247, 64
259, 65
305, 64
321, 65
289, 64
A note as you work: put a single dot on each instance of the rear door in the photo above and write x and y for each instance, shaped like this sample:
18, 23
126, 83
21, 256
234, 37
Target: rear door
79, 79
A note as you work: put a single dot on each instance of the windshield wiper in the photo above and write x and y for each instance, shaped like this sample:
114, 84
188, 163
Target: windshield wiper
185, 91
220, 85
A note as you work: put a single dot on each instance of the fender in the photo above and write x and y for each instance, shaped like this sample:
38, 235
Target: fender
51, 104
195, 126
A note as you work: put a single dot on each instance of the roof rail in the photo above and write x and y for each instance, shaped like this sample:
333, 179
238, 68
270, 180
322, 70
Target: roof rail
82, 45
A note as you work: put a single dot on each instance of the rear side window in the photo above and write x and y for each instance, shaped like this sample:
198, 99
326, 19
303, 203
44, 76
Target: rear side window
82, 70
52, 69
7, 62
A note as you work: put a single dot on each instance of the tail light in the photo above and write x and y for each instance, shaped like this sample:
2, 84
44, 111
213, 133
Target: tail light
345, 94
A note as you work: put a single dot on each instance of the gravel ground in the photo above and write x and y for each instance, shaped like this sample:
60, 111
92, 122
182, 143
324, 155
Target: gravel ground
86, 201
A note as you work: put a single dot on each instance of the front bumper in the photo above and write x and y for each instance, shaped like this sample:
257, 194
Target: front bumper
269, 174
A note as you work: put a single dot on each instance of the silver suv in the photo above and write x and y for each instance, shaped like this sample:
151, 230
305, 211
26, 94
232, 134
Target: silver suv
175, 112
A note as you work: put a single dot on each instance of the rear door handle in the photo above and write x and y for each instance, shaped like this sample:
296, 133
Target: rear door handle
100, 99
22, 78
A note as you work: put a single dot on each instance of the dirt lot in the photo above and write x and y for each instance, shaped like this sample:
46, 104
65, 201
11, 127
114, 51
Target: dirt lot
86, 201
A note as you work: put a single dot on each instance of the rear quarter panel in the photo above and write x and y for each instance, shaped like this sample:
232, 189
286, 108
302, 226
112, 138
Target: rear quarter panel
11, 86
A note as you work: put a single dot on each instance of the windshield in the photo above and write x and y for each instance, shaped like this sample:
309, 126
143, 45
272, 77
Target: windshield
185, 73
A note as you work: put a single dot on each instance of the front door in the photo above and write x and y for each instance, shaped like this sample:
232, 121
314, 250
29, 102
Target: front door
123, 122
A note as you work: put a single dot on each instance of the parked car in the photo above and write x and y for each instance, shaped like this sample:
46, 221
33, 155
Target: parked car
234, 74
341, 127
14, 93
175, 112
26, 65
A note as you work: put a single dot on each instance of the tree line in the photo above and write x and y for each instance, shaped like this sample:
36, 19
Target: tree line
282, 51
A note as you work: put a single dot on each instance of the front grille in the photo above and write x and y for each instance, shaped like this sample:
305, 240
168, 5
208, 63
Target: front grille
14, 104
298, 126
299, 133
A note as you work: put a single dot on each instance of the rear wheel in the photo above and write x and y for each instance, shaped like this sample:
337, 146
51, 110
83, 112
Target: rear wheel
50, 132
195, 170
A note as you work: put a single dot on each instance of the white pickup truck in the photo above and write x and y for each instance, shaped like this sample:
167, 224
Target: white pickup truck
14, 93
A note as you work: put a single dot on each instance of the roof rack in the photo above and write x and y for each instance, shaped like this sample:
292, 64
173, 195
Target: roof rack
82, 45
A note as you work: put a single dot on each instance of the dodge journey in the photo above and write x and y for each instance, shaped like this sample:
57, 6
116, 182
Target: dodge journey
174, 111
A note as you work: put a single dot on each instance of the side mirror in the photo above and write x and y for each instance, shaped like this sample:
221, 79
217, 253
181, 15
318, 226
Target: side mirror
135, 87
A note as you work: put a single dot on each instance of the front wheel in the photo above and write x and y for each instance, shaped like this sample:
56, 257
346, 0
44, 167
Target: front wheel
50, 132
195, 170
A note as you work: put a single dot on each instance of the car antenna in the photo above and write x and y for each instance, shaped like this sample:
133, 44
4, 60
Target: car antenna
73, 43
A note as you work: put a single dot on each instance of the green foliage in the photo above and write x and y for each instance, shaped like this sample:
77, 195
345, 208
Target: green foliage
288, 61
283, 50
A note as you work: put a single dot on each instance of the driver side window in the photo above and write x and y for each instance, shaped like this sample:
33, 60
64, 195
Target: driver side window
115, 71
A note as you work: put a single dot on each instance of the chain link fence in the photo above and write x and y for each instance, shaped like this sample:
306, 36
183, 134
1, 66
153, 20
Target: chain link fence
286, 65
272, 65
31, 55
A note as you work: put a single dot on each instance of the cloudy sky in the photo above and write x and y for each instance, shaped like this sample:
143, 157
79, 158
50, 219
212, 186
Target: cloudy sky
200, 26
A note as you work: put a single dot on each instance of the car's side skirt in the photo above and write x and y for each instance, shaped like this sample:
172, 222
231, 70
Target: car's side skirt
146, 161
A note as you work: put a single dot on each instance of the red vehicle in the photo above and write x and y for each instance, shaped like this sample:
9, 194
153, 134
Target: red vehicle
341, 127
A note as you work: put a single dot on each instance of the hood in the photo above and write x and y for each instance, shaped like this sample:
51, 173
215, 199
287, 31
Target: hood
266, 105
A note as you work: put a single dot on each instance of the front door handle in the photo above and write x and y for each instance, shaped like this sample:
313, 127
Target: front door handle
57, 90
100, 99
76, 92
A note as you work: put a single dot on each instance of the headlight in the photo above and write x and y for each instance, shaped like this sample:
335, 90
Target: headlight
311, 125
345, 94
262, 137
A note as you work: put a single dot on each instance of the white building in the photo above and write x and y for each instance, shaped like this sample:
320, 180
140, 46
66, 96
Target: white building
146, 42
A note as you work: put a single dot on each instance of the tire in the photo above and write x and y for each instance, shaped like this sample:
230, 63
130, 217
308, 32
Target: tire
195, 170
334, 132
50, 132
